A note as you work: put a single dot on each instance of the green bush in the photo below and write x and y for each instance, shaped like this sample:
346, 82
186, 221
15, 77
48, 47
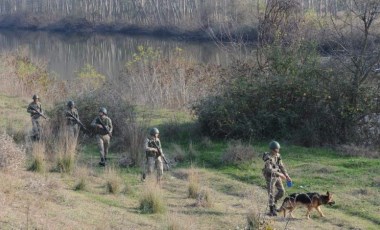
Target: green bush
296, 98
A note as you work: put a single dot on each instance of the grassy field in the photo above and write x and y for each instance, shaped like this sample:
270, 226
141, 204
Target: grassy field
228, 192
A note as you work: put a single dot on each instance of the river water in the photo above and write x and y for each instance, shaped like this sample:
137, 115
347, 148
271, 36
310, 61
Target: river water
66, 54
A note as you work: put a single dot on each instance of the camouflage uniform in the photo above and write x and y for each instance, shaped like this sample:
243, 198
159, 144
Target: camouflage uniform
152, 159
36, 126
272, 169
102, 137
72, 125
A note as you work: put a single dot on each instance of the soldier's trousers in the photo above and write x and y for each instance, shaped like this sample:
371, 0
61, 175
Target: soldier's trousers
272, 184
103, 144
36, 128
73, 130
151, 163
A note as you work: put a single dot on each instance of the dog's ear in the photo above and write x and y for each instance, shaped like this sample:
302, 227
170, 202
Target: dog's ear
328, 194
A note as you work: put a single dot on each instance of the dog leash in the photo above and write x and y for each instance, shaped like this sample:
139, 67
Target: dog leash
304, 188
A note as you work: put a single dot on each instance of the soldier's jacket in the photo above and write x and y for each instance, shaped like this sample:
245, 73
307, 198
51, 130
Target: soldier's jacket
107, 123
36, 106
273, 165
70, 120
149, 146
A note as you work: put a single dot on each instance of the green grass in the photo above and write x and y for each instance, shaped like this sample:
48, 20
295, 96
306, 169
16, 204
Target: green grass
354, 181
13, 110
319, 170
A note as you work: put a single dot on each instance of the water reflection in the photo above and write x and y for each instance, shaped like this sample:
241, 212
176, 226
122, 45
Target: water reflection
66, 54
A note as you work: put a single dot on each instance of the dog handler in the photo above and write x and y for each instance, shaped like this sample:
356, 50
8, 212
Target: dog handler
274, 172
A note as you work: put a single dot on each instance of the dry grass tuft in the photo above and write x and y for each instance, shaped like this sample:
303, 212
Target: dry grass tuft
205, 199
179, 222
65, 147
126, 161
82, 175
194, 186
151, 200
178, 153
11, 156
38, 163
237, 153
376, 181
206, 142
353, 150
193, 153
113, 181
256, 222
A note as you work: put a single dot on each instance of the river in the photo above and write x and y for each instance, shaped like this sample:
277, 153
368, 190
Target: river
66, 54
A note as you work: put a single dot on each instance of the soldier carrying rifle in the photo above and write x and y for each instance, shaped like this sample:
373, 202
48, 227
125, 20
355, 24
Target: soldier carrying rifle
72, 118
35, 110
154, 155
103, 129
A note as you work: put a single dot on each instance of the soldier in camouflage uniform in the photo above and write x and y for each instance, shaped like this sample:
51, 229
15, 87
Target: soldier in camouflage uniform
274, 172
33, 108
70, 113
103, 129
153, 157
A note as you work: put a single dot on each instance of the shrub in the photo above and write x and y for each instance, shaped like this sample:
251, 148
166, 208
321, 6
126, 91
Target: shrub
288, 100
11, 156
237, 153
128, 133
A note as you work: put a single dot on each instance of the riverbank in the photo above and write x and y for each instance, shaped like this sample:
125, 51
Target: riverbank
70, 24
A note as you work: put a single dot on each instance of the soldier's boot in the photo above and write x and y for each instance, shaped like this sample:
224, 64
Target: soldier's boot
143, 177
272, 211
102, 162
275, 206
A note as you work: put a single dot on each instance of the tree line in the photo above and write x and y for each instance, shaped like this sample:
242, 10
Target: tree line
216, 15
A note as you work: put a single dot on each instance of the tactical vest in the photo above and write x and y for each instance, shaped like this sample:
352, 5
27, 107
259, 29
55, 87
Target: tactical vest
151, 143
101, 131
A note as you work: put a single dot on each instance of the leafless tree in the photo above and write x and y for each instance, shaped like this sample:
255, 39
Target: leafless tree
358, 51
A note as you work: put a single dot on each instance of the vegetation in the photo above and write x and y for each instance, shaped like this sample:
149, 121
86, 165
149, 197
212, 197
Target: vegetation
289, 93
151, 200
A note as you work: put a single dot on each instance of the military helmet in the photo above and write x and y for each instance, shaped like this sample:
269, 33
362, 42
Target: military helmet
70, 103
103, 110
35, 96
154, 131
274, 145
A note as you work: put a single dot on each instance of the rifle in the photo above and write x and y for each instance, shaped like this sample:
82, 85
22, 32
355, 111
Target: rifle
38, 112
104, 127
77, 120
160, 154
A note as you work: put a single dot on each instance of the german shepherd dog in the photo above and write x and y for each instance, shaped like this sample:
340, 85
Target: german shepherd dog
310, 200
